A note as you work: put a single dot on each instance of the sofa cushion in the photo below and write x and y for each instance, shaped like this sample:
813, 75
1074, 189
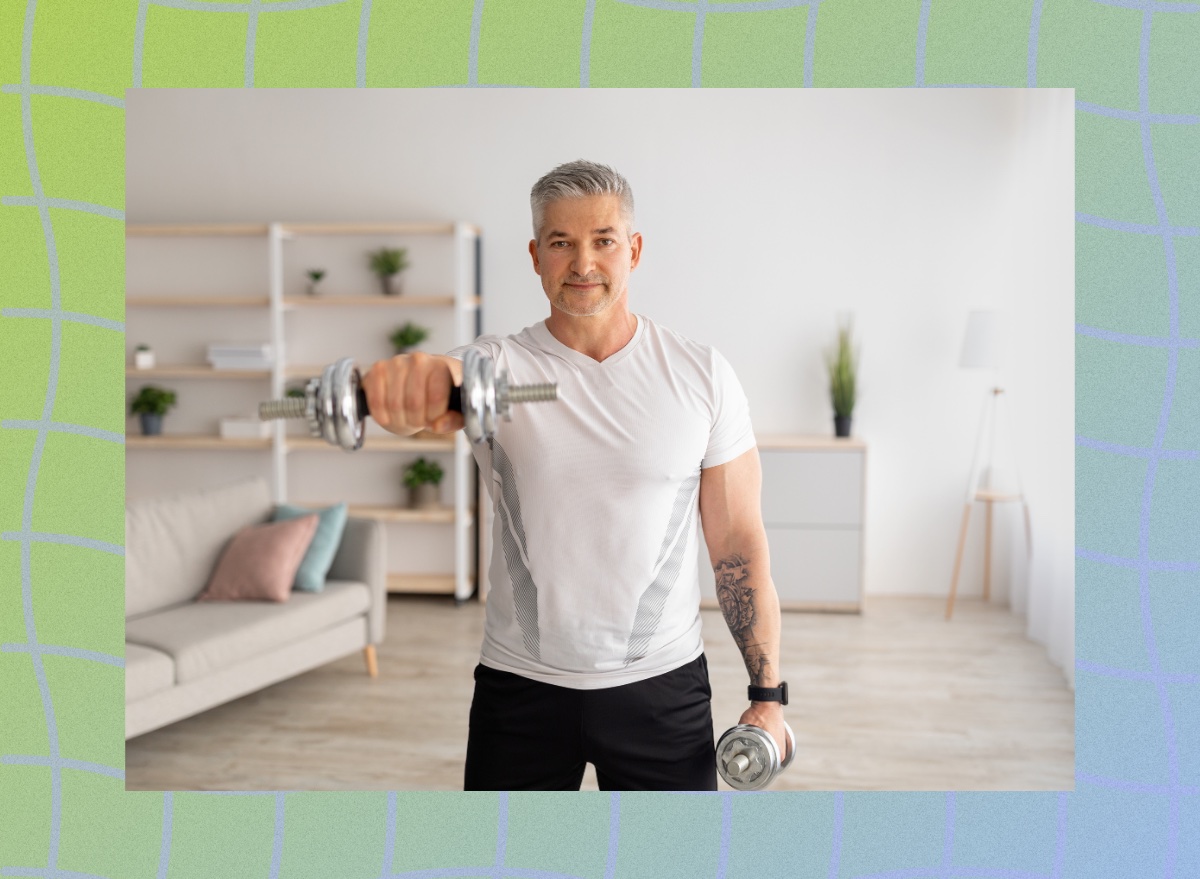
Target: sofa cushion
147, 671
203, 637
260, 562
319, 557
172, 543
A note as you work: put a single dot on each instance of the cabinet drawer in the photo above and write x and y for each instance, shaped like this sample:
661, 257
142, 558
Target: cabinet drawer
810, 566
811, 487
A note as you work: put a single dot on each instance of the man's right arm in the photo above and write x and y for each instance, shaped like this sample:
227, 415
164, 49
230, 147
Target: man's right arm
411, 392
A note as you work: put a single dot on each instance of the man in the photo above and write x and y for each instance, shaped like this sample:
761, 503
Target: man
592, 649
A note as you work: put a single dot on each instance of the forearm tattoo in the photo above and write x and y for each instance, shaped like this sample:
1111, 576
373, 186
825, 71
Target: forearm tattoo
737, 605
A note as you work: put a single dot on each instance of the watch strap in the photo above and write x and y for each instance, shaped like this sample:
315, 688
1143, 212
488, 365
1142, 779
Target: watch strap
769, 694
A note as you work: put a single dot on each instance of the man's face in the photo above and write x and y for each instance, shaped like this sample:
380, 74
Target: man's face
584, 254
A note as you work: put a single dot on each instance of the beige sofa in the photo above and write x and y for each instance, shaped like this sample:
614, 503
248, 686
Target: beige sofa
183, 656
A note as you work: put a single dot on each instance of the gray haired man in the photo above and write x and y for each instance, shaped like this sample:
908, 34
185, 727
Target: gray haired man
592, 648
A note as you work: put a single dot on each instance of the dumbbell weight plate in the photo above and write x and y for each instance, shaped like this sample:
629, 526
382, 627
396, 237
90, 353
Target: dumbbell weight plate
748, 757
342, 421
791, 748
478, 396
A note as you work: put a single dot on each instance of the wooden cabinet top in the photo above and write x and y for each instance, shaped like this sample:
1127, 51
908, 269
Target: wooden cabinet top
810, 442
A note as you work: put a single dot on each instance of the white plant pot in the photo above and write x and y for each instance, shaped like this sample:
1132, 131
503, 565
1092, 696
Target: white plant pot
143, 359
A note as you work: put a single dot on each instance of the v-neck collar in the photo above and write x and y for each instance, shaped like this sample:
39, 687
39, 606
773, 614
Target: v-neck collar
545, 338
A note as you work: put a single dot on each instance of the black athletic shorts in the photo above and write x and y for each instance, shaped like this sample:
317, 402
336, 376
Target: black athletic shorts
655, 734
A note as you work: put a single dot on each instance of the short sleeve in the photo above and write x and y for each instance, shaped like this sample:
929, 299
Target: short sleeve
732, 433
489, 345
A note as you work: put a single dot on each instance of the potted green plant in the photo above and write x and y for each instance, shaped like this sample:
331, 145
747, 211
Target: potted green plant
314, 277
408, 337
151, 404
841, 361
387, 263
422, 477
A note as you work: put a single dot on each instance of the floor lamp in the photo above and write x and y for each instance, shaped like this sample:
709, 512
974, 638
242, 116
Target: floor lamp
983, 349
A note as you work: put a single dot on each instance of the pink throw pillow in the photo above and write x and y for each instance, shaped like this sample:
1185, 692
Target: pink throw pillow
261, 561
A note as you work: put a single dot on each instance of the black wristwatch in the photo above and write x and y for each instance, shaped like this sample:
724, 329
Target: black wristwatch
769, 694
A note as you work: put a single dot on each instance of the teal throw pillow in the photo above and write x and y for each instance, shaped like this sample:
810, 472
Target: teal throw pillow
319, 558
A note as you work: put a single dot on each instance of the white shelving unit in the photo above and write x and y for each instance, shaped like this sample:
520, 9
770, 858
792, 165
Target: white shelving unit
281, 463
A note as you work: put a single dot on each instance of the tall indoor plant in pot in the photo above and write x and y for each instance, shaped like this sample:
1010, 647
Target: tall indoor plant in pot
387, 263
151, 404
422, 477
841, 361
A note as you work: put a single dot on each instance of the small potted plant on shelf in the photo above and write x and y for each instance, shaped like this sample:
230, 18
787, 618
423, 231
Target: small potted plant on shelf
151, 404
841, 361
387, 263
422, 477
143, 357
314, 278
408, 337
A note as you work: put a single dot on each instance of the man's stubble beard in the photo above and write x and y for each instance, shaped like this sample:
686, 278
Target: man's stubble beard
567, 302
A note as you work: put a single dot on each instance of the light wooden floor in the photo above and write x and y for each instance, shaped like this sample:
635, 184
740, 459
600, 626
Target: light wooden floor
894, 699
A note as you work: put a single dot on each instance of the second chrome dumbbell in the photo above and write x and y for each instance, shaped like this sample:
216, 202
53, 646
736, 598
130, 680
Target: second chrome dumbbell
748, 758
335, 405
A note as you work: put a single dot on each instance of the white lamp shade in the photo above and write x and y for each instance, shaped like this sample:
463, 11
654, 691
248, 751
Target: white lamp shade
983, 342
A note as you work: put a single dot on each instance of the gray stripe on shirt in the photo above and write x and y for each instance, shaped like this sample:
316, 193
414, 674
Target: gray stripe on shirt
650, 606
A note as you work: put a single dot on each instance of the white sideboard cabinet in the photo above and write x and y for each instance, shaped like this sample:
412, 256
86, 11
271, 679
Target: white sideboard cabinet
813, 500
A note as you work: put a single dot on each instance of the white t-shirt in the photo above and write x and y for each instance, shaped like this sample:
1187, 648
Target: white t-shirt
593, 575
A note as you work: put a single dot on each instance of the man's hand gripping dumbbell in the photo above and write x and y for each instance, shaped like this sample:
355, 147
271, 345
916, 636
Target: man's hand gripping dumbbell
406, 394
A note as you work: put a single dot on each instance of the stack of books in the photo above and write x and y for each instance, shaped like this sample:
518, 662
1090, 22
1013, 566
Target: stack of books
240, 355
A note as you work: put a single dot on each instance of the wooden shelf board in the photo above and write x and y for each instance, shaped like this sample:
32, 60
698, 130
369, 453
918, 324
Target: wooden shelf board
373, 228
196, 372
194, 442
197, 302
438, 516
419, 443
182, 229
380, 301
432, 584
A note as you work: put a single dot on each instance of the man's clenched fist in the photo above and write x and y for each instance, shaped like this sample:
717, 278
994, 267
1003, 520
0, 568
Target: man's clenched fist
411, 392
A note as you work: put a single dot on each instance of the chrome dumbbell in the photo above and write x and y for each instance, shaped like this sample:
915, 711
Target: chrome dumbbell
748, 756
335, 405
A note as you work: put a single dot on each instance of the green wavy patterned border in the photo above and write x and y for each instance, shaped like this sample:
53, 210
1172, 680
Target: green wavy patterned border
64, 68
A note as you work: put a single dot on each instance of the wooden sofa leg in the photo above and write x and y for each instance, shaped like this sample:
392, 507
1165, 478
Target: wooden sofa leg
372, 664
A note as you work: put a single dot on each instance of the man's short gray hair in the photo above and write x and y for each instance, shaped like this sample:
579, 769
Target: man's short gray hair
577, 180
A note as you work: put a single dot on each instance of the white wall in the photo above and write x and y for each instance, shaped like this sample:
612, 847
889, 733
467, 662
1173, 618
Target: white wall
766, 214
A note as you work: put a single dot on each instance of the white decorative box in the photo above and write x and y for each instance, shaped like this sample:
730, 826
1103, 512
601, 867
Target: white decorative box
245, 428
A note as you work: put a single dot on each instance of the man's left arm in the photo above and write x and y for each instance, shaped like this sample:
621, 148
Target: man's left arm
731, 514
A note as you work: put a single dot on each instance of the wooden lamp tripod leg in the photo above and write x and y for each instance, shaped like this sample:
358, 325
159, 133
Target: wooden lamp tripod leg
987, 556
962, 540
985, 415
